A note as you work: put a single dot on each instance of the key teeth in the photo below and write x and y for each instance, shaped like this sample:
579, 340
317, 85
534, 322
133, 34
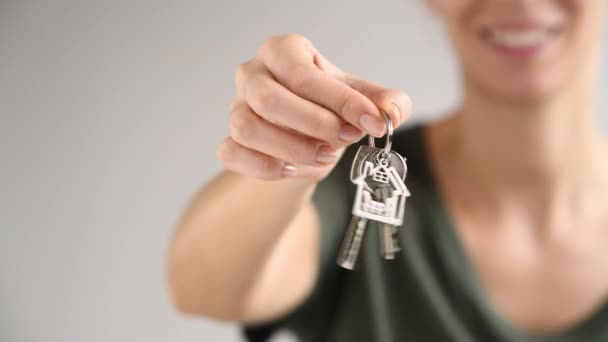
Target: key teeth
348, 257
351, 245
349, 265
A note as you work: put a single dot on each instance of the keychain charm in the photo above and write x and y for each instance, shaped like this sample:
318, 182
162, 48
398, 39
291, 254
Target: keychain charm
381, 194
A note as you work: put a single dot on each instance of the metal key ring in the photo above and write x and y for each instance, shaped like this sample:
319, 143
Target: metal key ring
389, 135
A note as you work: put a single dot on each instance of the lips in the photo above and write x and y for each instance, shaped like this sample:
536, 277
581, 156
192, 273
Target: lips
520, 39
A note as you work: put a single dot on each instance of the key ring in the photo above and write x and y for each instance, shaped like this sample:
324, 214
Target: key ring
389, 135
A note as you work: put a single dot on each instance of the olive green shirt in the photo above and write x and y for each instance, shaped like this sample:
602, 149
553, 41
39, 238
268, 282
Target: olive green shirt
430, 292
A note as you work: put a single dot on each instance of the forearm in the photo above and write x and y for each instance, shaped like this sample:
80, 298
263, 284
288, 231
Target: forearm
226, 238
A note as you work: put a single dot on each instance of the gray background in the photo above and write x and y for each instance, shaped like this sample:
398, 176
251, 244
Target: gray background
111, 112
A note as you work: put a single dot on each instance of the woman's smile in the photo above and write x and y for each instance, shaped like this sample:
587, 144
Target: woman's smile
523, 51
521, 41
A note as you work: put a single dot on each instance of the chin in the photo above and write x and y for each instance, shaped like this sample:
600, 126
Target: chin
525, 89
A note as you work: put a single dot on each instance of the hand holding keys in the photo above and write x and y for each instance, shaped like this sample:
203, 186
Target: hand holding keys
379, 175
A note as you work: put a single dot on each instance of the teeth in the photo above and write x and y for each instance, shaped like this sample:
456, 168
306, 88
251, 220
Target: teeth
519, 39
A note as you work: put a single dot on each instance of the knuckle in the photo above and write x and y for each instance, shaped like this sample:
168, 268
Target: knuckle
346, 101
290, 39
235, 104
242, 127
291, 56
268, 45
276, 44
260, 94
300, 78
241, 72
225, 152
318, 122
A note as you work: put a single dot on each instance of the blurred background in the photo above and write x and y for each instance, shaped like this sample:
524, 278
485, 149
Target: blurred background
110, 115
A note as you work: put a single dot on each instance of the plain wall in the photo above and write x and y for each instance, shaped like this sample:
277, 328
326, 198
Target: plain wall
111, 112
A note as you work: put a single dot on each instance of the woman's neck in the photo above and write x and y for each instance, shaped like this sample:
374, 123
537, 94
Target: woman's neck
541, 159
532, 144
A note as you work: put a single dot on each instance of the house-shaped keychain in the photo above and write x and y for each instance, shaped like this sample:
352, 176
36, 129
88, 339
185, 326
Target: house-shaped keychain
385, 178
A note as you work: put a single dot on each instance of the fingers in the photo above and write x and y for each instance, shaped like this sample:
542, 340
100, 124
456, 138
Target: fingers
296, 64
252, 163
277, 104
394, 102
245, 161
295, 112
253, 132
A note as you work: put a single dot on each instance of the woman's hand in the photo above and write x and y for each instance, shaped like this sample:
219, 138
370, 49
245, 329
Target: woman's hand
295, 112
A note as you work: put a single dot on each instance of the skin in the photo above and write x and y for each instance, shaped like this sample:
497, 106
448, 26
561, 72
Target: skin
520, 167
530, 210
287, 123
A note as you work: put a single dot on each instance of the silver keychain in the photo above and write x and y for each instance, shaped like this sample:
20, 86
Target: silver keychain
381, 194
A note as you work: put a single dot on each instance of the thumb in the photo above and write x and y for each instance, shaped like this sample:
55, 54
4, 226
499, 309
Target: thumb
396, 103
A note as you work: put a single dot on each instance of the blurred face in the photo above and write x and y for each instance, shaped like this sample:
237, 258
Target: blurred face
523, 50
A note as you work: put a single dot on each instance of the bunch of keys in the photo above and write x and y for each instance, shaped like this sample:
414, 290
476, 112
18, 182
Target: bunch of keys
379, 175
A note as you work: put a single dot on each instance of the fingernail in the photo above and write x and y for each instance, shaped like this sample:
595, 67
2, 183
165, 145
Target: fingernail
289, 170
397, 113
349, 133
372, 124
326, 155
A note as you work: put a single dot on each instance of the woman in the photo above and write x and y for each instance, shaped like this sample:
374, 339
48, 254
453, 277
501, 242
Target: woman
506, 231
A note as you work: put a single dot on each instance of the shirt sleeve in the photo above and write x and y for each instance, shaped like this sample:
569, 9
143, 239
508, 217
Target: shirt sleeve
333, 200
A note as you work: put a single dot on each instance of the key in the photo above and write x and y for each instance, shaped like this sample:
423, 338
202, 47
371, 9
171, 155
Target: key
389, 243
381, 193
373, 154
349, 251
387, 233
380, 197
351, 245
